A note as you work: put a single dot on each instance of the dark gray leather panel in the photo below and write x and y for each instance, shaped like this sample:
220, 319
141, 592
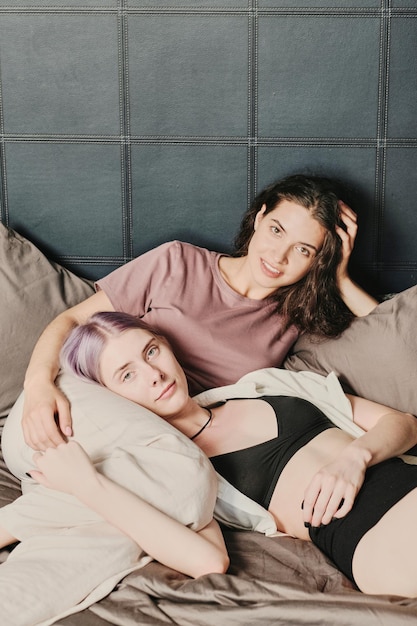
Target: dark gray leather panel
126, 123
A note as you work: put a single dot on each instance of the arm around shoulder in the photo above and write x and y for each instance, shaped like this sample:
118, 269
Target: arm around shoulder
43, 400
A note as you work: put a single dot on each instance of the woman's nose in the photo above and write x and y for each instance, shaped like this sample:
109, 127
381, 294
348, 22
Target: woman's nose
155, 375
281, 255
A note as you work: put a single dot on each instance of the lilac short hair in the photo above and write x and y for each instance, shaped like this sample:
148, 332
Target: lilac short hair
81, 351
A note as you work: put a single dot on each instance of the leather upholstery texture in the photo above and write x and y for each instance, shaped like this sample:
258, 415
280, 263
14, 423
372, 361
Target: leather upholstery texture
127, 123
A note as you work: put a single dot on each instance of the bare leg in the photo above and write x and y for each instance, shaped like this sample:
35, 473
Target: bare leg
385, 560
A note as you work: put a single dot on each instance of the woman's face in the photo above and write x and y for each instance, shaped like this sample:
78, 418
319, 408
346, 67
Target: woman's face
284, 245
142, 368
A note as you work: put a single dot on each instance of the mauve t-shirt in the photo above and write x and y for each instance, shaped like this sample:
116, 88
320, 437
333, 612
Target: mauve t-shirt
217, 334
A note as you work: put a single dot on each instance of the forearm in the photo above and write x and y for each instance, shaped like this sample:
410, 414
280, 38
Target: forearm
46, 413
394, 434
333, 489
165, 539
44, 363
356, 299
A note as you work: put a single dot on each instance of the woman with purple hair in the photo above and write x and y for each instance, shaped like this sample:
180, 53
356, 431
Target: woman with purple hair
277, 441
154, 531
155, 488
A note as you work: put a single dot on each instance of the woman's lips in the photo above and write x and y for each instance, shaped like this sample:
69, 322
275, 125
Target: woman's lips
270, 270
167, 391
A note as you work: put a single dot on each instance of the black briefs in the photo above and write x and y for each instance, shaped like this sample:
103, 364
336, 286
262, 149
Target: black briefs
385, 484
255, 470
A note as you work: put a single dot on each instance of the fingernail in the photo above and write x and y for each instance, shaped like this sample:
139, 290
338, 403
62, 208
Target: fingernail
68, 431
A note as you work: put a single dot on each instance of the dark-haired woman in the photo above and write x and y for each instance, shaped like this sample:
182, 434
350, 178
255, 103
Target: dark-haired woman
289, 275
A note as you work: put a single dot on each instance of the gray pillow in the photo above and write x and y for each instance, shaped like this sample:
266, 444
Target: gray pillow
376, 357
33, 290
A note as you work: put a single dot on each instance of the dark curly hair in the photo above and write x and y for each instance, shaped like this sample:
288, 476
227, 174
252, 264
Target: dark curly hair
314, 303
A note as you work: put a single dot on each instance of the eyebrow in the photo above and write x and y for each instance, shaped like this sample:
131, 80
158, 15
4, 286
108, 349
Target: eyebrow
303, 243
122, 367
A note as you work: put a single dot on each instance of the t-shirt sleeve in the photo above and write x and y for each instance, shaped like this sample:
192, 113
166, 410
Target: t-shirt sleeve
132, 287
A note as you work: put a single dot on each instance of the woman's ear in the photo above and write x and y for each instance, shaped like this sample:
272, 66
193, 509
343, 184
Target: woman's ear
259, 216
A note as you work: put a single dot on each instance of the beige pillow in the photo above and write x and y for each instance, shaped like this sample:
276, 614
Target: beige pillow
33, 291
376, 357
132, 446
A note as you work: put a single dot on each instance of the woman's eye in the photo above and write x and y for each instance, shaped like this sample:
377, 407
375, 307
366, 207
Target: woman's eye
127, 376
304, 251
153, 351
275, 230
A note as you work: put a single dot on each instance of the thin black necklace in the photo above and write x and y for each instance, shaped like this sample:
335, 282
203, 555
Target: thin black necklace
206, 424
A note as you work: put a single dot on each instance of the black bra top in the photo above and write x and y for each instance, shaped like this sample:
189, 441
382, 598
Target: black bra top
255, 471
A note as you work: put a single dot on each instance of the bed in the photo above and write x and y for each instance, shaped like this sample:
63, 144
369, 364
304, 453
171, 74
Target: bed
127, 123
272, 579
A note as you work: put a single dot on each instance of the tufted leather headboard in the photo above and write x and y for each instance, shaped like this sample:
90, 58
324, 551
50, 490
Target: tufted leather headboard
126, 123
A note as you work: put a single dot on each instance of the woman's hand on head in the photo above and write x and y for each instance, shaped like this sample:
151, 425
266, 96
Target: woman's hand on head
66, 468
347, 237
44, 406
333, 490
356, 299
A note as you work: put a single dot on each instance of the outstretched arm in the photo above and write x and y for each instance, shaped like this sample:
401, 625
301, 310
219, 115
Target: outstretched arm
355, 298
334, 488
44, 403
68, 468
